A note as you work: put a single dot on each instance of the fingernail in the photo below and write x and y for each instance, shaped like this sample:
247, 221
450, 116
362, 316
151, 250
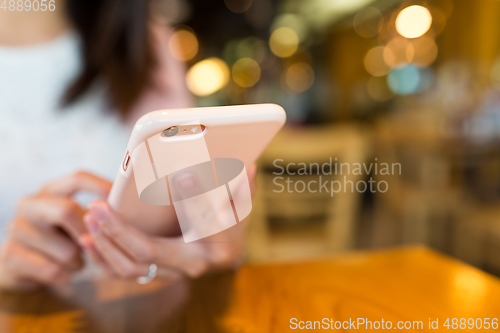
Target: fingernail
91, 223
85, 240
98, 211
185, 182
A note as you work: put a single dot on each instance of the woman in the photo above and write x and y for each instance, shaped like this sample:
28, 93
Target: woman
72, 81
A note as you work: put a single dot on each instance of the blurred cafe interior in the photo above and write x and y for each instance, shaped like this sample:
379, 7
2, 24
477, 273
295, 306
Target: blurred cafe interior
411, 84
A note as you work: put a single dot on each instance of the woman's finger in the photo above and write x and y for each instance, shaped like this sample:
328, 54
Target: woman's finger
32, 265
173, 254
135, 243
117, 260
163, 272
87, 243
80, 181
193, 259
54, 211
48, 241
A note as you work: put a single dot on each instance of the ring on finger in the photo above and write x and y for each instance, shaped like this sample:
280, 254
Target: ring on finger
150, 276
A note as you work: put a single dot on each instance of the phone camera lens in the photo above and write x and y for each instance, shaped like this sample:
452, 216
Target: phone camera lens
170, 131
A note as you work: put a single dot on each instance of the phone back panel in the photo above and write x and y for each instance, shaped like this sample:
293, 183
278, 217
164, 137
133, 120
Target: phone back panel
239, 132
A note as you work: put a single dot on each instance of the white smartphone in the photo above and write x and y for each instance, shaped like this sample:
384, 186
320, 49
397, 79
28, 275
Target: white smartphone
165, 141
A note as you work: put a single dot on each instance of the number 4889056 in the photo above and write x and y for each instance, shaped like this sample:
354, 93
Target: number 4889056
27, 5
471, 323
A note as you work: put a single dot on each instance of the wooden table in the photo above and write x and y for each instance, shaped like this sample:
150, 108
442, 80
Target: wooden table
403, 284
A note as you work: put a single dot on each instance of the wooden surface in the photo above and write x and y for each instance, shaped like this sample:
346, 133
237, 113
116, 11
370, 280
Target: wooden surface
400, 284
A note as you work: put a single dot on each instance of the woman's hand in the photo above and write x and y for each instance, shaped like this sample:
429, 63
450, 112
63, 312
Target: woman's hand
42, 245
129, 252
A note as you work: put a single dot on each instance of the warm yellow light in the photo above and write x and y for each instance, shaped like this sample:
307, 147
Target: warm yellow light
292, 21
401, 51
426, 51
299, 77
379, 61
413, 21
183, 45
207, 76
284, 42
246, 72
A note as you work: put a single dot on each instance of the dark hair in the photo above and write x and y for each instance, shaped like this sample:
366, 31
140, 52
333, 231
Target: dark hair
117, 48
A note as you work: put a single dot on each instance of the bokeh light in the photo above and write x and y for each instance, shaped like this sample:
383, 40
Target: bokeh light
378, 90
413, 21
399, 51
246, 72
238, 6
299, 77
283, 42
404, 80
207, 76
378, 61
183, 44
320, 14
292, 21
368, 22
425, 51
251, 47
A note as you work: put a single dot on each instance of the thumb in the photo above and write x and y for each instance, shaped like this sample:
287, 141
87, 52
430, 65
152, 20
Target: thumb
80, 181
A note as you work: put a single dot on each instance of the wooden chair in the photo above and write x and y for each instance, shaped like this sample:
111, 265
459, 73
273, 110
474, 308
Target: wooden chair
303, 225
421, 204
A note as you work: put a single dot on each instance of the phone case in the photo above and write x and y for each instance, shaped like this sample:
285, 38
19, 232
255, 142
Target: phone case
232, 134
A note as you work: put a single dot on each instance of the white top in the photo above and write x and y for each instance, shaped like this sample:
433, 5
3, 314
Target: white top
39, 140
